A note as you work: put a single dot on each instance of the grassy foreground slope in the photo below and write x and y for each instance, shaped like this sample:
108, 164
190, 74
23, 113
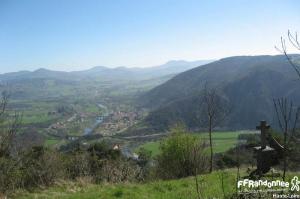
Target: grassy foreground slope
210, 187
183, 188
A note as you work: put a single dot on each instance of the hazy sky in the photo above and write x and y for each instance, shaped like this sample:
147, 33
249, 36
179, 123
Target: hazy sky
79, 34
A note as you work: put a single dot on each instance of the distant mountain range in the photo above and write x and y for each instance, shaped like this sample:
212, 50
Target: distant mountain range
105, 73
250, 83
49, 84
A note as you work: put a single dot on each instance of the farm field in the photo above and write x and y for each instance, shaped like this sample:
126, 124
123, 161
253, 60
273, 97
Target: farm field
222, 141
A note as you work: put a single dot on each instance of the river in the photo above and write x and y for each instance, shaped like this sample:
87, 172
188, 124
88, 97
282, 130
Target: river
98, 120
125, 149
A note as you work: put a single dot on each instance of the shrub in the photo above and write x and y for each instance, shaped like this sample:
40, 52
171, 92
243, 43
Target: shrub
182, 154
77, 164
10, 175
32, 168
116, 171
41, 167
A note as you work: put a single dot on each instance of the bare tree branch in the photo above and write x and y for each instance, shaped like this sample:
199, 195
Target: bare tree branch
3, 103
294, 41
214, 111
287, 120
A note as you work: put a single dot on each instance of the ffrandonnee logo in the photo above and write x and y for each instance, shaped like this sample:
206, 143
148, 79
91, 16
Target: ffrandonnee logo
295, 184
266, 185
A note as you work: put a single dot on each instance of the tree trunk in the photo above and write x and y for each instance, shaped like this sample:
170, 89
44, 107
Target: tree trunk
284, 153
197, 184
210, 145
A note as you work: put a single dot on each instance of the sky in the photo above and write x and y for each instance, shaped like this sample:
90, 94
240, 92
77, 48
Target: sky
79, 34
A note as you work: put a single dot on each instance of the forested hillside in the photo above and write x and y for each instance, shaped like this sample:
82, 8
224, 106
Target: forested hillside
249, 83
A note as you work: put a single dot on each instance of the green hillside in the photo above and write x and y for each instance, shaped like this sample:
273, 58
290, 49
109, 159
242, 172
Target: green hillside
248, 83
210, 186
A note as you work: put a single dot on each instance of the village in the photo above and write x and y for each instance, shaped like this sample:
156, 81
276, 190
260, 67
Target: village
118, 121
106, 124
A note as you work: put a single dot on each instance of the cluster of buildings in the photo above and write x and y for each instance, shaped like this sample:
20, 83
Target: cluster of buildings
119, 120
57, 125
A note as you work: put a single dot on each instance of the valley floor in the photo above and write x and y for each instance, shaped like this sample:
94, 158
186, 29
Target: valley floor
222, 141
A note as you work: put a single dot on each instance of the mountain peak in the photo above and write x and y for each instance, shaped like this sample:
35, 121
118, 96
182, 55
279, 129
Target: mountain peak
97, 69
176, 62
41, 70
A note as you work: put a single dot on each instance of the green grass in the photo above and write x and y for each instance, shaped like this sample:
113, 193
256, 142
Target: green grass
183, 188
38, 118
92, 108
51, 142
151, 146
222, 141
210, 187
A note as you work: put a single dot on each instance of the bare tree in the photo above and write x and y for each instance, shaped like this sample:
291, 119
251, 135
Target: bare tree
9, 125
6, 134
198, 159
293, 40
197, 185
3, 103
222, 175
215, 109
288, 117
237, 166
